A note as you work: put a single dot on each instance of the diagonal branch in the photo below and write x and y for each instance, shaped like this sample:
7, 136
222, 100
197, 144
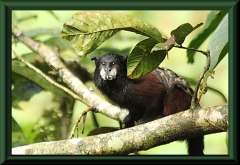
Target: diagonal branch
49, 79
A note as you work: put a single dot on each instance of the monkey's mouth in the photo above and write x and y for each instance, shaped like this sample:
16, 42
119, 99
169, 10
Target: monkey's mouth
108, 77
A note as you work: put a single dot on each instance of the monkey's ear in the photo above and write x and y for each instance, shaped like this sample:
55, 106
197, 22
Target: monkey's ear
95, 58
125, 58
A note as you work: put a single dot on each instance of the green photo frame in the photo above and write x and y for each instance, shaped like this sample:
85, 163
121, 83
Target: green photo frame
7, 6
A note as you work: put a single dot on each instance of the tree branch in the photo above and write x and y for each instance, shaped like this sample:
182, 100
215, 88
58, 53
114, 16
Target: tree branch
142, 137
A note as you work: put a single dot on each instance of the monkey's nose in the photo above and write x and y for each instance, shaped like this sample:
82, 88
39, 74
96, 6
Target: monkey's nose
107, 69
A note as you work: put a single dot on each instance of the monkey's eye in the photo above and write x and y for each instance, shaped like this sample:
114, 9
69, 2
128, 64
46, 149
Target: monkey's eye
114, 64
103, 64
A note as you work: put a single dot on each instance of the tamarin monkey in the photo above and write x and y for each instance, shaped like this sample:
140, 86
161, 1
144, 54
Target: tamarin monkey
157, 94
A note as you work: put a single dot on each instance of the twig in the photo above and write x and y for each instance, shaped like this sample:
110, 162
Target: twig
84, 121
196, 50
204, 86
214, 125
49, 79
195, 101
84, 113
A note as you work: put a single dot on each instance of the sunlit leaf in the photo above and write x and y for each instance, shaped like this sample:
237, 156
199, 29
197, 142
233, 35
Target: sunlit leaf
89, 29
213, 19
18, 138
164, 46
183, 31
141, 61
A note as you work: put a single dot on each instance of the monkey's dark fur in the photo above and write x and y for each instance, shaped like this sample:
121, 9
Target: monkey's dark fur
159, 93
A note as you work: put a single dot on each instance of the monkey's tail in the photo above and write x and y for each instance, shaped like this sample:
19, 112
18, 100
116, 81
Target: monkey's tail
196, 145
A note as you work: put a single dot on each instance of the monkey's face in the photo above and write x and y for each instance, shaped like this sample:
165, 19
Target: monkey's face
109, 65
108, 70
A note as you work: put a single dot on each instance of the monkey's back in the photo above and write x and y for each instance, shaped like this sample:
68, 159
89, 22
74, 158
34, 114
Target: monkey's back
164, 93
171, 80
179, 92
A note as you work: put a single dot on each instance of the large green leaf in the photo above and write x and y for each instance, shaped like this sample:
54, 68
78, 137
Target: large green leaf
89, 29
213, 19
18, 138
183, 31
141, 61
218, 44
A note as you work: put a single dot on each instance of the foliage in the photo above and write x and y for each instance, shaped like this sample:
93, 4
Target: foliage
89, 29
213, 20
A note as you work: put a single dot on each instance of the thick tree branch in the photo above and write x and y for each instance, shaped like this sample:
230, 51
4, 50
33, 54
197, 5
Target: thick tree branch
141, 137
51, 57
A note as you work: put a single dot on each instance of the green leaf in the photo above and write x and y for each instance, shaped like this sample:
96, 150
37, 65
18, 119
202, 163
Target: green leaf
141, 61
164, 46
213, 19
18, 138
23, 88
89, 29
218, 44
183, 31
